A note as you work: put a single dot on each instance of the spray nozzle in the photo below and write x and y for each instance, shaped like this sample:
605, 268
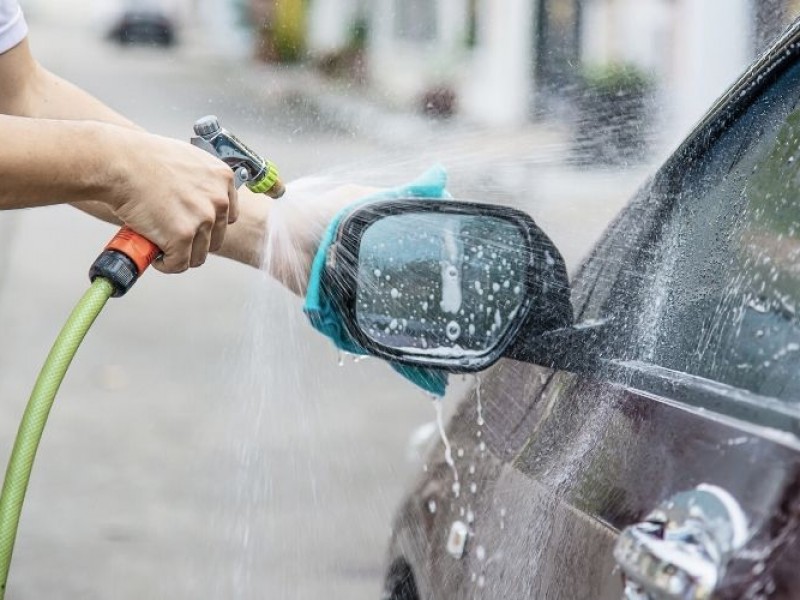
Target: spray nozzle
260, 175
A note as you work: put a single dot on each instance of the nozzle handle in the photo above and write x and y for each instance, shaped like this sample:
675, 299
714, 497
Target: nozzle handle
124, 259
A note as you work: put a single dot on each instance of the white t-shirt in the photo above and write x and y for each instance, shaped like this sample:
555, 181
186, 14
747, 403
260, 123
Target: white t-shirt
13, 28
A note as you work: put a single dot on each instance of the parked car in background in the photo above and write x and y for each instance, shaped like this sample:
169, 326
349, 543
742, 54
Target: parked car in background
143, 26
658, 457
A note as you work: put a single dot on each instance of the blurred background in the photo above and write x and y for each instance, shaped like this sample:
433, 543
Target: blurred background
206, 441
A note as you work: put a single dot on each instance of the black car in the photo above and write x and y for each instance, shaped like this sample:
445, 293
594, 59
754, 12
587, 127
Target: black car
143, 27
645, 445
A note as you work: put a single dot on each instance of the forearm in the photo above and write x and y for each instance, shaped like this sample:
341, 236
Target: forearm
40, 94
244, 240
53, 161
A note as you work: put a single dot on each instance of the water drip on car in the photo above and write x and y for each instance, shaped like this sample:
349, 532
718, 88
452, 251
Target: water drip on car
448, 450
480, 420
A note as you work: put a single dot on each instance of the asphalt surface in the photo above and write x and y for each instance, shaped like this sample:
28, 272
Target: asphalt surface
206, 442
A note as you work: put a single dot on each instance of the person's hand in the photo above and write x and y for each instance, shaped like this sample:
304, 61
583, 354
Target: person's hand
177, 196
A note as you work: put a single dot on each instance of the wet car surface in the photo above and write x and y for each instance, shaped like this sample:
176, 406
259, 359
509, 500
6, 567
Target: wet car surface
688, 382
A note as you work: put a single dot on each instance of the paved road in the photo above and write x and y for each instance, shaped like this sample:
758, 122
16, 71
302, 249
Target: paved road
206, 443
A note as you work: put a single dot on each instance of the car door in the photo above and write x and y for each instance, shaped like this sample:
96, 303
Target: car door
695, 380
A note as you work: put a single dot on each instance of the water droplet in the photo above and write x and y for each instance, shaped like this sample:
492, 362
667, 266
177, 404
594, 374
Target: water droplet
453, 331
480, 553
478, 399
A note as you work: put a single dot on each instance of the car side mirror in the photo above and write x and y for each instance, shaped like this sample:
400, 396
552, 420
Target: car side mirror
445, 284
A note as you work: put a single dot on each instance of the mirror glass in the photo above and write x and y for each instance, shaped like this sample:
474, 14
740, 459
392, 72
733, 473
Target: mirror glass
437, 284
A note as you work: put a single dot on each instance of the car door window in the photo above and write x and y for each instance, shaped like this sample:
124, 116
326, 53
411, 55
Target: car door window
719, 294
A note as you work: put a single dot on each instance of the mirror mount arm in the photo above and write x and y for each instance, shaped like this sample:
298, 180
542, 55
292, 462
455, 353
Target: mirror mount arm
570, 348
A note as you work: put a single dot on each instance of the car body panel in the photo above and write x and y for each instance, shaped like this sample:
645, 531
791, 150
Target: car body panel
553, 464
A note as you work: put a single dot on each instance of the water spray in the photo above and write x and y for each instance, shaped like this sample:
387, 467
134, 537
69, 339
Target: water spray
118, 267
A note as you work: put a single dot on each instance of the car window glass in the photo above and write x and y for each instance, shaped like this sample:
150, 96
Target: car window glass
721, 291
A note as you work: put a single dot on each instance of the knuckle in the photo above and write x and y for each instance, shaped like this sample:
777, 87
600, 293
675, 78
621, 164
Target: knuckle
220, 203
185, 233
208, 218
225, 172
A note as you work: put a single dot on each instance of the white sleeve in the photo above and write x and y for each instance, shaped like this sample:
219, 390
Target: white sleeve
13, 28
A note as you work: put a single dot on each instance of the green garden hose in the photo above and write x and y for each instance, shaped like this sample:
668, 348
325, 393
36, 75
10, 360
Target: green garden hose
18, 472
113, 273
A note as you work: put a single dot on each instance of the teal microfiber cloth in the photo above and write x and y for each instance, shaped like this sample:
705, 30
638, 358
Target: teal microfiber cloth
319, 306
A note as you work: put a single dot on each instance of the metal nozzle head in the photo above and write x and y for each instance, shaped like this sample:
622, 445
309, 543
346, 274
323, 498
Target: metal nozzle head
277, 190
269, 183
207, 126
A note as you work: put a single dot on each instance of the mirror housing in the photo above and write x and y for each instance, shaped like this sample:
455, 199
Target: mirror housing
445, 284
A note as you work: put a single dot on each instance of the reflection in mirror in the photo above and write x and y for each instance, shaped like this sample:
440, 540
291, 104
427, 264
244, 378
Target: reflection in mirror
438, 284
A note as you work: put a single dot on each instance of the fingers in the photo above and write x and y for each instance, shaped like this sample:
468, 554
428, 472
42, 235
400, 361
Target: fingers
217, 231
178, 258
202, 242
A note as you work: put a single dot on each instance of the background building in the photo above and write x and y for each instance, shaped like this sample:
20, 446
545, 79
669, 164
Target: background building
511, 61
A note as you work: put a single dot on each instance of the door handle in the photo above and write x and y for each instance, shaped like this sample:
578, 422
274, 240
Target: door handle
682, 548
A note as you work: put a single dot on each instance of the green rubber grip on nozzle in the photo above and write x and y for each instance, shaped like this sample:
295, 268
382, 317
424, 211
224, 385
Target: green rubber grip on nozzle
265, 183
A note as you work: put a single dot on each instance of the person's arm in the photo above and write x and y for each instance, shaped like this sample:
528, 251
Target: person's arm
30, 90
70, 147
284, 245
